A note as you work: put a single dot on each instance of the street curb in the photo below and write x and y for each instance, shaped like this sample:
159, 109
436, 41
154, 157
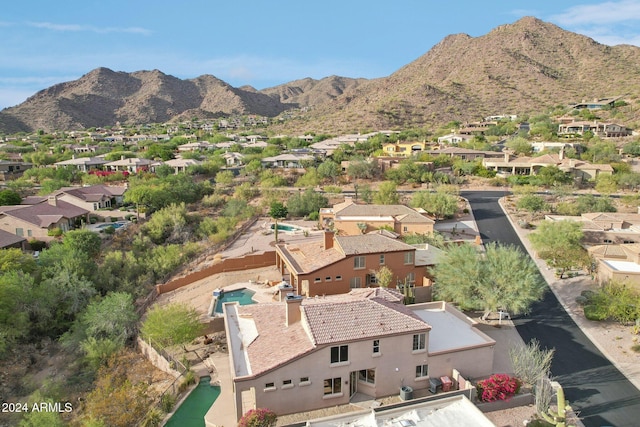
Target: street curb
579, 321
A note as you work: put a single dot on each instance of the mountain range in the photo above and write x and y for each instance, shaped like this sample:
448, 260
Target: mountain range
520, 68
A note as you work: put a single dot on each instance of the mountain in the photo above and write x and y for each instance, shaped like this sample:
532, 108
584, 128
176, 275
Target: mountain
517, 68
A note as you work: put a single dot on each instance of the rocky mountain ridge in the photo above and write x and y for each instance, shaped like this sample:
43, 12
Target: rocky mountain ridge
517, 68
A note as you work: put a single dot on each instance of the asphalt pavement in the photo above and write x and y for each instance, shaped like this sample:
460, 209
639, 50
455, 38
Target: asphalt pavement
598, 392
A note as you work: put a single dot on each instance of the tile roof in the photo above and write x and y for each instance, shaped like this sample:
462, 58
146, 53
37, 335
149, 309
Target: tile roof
44, 214
370, 244
331, 323
399, 212
308, 257
7, 239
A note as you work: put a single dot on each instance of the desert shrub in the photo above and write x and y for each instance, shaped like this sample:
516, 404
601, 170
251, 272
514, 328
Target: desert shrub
595, 312
498, 387
530, 362
166, 402
258, 418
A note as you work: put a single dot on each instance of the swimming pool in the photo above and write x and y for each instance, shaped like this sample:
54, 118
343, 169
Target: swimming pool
115, 225
193, 409
243, 296
287, 227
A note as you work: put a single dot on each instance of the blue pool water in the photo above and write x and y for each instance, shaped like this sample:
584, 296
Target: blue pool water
243, 296
285, 227
192, 411
115, 225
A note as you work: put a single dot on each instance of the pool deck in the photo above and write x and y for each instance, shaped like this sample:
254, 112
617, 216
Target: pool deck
222, 412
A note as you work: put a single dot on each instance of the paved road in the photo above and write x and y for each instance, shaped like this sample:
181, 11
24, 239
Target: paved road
596, 389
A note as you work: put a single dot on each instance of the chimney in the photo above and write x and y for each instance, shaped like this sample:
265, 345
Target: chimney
506, 156
293, 314
561, 153
348, 199
122, 157
328, 239
52, 200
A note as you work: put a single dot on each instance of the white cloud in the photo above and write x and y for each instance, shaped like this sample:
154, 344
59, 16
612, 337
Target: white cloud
88, 28
610, 12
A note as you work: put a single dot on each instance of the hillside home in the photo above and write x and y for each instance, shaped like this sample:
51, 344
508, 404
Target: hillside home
596, 104
403, 148
581, 170
454, 138
305, 354
233, 159
196, 146
617, 263
92, 198
83, 164
181, 165
12, 170
603, 130
36, 220
466, 153
338, 264
287, 161
132, 165
349, 218
605, 228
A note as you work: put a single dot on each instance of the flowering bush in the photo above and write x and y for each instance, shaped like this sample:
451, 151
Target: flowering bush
258, 418
497, 387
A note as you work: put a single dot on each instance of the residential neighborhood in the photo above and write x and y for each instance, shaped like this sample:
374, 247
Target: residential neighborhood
331, 250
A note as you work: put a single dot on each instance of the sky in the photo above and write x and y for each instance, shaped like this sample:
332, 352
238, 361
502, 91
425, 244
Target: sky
262, 43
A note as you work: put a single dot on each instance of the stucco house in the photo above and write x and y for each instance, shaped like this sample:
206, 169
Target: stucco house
93, 197
403, 148
605, 227
35, 220
603, 130
10, 240
12, 170
83, 164
350, 218
305, 354
132, 165
287, 160
617, 263
181, 165
580, 169
338, 264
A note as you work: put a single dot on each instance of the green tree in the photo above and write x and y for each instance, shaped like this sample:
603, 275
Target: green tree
552, 176
384, 276
113, 317
440, 204
503, 278
307, 203
329, 170
41, 418
519, 145
606, 184
84, 241
13, 259
387, 194
558, 243
278, 210
224, 178
361, 169
9, 197
14, 318
172, 324
531, 203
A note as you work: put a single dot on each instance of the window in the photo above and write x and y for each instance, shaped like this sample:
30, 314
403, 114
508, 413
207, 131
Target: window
422, 371
358, 262
327, 279
628, 241
29, 233
338, 278
381, 259
608, 241
376, 346
304, 379
419, 341
332, 386
340, 354
411, 279
19, 232
367, 375
355, 282
317, 280
287, 382
408, 257
269, 385
405, 228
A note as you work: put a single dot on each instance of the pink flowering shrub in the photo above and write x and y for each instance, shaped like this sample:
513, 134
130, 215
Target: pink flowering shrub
497, 387
258, 418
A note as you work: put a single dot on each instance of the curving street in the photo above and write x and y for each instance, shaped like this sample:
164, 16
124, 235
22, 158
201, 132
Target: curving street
599, 393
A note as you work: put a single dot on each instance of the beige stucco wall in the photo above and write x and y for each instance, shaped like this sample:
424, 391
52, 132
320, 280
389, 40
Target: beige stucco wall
606, 274
395, 367
9, 224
